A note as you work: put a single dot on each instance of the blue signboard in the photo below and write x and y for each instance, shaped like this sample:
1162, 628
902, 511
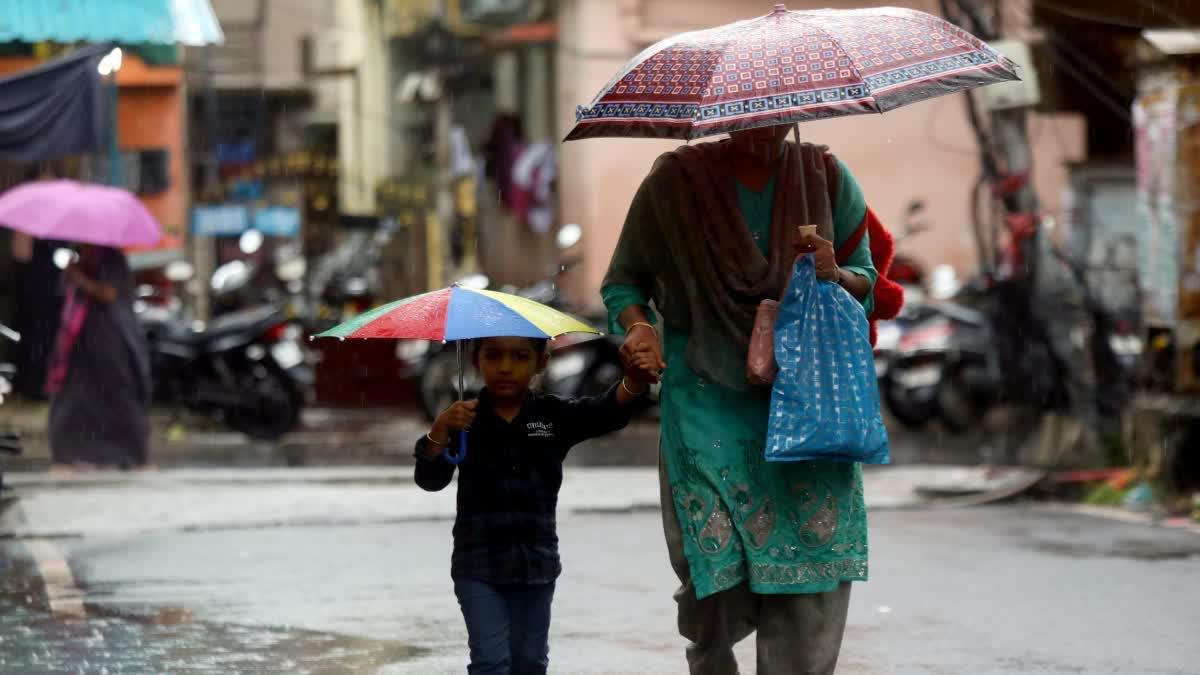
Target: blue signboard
222, 220
277, 221
230, 220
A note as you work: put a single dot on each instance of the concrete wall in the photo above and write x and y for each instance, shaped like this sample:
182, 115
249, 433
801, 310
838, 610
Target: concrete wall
925, 151
364, 104
277, 45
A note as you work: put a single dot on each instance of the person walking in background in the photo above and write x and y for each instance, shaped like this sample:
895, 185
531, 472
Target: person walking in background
99, 376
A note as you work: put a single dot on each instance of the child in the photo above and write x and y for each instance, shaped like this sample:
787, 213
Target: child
505, 559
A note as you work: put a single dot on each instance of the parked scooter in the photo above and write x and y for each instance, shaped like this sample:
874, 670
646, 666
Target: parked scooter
924, 353
985, 366
246, 367
894, 343
10, 442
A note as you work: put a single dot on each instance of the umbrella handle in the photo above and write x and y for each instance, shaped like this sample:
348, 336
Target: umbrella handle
460, 453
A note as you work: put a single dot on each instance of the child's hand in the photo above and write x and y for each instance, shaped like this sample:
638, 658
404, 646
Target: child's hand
456, 418
643, 365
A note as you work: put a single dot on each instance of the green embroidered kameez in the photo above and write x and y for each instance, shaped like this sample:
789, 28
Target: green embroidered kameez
784, 528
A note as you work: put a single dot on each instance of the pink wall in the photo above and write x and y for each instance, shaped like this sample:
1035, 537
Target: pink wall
925, 151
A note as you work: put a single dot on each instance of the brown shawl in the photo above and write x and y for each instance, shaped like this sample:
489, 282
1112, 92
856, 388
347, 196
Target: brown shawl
687, 244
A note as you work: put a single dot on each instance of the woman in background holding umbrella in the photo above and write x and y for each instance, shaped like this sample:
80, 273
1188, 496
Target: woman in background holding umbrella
99, 377
99, 374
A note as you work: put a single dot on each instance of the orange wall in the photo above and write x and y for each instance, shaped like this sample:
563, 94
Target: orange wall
150, 118
150, 113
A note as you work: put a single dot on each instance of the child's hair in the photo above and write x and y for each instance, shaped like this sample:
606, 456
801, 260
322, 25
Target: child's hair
540, 345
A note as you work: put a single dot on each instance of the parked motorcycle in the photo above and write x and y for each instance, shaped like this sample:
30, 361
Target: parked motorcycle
895, 347
246, 367
10, 442
986, 366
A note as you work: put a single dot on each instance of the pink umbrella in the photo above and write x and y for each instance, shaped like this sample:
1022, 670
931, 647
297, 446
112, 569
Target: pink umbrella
67, 210
789, 67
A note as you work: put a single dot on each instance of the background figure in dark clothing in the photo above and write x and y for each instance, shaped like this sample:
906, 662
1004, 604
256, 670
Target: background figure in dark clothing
37, 293
99, 377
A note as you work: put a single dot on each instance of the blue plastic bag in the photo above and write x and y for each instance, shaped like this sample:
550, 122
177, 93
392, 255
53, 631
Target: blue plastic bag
825, 402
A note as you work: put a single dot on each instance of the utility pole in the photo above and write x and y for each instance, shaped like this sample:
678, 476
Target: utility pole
203, 255
1004, 144
1007, 162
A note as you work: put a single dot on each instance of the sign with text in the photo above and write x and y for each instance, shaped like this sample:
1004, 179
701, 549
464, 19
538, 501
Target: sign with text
220, 220
231, 220
277, 221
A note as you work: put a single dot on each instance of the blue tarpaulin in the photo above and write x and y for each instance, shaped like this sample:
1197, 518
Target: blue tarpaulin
57, 109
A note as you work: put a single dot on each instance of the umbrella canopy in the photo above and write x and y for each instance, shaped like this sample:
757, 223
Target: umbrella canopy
67, 210
788, 67
458, 313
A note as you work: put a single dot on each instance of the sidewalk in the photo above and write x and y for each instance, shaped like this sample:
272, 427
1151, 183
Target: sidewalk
326, 436
384, 436
118, 504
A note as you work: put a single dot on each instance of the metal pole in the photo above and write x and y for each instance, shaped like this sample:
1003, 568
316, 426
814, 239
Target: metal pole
461, 385
114, 147
461, 451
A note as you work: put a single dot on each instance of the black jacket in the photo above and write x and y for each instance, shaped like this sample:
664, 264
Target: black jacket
505, 531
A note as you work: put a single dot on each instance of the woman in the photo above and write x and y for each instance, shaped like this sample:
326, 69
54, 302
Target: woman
757, 546
99, 377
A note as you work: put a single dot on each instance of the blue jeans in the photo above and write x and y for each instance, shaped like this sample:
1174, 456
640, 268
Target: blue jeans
508, 627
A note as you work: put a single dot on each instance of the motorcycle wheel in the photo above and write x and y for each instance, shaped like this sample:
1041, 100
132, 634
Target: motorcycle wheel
273, 408
438, 388
912, 411
956, 406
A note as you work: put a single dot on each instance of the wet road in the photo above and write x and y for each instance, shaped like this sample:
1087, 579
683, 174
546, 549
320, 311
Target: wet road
996, 590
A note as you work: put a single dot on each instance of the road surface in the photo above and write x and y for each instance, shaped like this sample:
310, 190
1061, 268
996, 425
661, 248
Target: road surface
1013, 589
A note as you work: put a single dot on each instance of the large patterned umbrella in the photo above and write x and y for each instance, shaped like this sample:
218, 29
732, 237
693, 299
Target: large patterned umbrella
787, 67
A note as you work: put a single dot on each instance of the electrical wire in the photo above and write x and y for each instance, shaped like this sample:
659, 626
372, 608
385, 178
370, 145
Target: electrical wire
1083, 15
1057, 40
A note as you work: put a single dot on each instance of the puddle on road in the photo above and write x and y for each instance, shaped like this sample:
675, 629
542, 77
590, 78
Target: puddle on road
167, 640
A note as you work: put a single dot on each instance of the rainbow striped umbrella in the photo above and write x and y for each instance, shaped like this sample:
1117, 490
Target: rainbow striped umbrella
457, 314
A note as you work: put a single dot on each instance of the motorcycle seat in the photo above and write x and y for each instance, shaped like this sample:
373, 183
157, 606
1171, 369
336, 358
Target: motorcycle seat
254, 320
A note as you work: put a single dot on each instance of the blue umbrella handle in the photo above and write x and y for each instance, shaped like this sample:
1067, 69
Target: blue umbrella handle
460, 454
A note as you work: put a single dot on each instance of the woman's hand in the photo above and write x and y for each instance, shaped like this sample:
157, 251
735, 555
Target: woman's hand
100, 292
641, 354
823, 255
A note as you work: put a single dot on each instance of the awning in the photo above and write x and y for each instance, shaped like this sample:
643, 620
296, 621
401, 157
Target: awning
188, 22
